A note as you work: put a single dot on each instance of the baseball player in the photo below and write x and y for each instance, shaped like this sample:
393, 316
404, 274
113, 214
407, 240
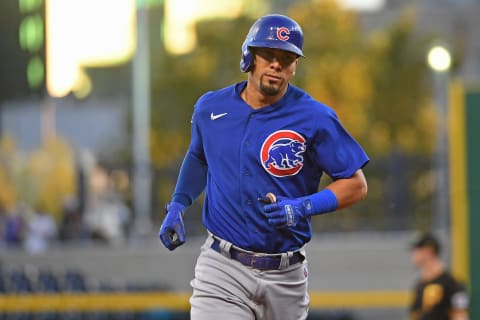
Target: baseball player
437, 295
259, 148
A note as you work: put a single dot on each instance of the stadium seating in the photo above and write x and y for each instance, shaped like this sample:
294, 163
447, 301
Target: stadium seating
27, 280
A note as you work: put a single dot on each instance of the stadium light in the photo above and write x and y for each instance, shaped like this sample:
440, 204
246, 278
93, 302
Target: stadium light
439, 59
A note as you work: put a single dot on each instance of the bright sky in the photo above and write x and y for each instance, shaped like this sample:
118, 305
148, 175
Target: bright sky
367, 5
180, 17
86, 33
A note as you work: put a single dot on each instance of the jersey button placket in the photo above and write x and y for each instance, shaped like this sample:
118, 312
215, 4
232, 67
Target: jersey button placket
246, 175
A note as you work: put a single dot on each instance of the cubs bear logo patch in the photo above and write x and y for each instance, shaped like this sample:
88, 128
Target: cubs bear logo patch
282, 153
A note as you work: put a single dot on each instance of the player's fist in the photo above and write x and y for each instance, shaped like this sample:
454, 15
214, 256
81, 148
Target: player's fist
286, 212
172, 231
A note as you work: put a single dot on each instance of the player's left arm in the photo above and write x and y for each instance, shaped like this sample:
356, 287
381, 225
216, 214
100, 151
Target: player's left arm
341, 157
350, 190
284, 212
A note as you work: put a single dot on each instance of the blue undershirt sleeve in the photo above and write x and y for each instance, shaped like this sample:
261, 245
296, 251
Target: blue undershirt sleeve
191, 180
193, 172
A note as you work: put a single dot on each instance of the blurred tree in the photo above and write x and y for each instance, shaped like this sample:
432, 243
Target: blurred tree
8, 163
403, 126
50, 177
404, 116
43, 180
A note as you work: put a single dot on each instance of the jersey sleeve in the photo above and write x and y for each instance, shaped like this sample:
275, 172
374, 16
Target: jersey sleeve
459, 297
337, 152
193, 172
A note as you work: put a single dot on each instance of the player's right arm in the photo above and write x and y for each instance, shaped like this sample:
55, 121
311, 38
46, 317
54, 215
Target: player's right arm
190, 184
193, 172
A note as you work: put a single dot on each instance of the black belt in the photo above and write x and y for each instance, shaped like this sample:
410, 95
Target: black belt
257, 261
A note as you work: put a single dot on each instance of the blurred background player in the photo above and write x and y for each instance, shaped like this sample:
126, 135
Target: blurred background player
437, 294
260, 147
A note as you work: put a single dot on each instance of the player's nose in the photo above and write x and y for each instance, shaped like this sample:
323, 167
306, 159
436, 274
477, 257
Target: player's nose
275, 63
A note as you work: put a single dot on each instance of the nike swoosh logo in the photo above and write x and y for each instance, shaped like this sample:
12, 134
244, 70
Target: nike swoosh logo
216, 116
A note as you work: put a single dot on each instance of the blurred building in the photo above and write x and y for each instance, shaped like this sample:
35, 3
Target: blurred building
100, 125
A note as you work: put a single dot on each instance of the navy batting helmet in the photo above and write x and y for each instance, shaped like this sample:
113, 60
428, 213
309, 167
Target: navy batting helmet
272, 31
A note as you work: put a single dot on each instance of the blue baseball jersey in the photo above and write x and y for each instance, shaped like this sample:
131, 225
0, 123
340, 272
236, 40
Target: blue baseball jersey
283, 148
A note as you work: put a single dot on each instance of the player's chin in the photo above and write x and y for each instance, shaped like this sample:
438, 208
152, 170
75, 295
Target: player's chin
270, 89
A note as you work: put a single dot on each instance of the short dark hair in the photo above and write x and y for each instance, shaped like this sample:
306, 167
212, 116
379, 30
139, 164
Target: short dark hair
427, 240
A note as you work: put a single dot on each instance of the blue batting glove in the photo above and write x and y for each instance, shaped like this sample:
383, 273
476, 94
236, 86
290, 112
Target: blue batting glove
172, 231
287, 212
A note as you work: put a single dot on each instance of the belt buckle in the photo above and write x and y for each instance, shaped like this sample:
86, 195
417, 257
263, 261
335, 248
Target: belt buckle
252, 261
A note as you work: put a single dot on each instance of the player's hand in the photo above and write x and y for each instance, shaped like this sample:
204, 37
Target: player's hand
286, 212
172, 231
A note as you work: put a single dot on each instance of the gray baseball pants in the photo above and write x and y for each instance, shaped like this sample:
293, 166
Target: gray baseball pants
225, 289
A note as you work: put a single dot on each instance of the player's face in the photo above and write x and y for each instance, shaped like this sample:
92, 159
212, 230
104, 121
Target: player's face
273, 70
422, 255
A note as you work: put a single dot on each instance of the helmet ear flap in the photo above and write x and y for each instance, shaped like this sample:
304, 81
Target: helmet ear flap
246, 61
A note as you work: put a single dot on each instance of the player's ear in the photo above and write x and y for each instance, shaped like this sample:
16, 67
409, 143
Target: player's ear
295, 70
254, 60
